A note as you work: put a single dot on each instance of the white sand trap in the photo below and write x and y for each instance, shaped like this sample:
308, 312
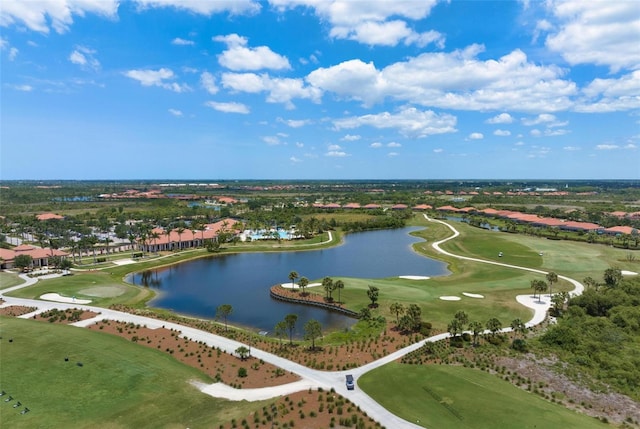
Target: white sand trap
296, 286
59, 298
472, 295
124, 261
629, 273
414, 277
450, 298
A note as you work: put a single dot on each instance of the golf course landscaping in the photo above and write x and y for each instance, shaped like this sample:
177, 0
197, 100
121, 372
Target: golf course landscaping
93, 377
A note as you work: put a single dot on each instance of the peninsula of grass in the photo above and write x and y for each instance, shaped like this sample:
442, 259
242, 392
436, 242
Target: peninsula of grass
453, 396
107, 381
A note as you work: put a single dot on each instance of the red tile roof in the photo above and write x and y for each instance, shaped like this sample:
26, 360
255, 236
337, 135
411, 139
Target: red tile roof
48, 216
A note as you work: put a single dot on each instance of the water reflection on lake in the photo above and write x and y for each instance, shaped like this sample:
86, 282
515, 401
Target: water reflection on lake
243, 280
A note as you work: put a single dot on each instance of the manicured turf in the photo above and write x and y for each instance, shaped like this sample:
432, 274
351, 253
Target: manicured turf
8, 280
456, 397
120, 384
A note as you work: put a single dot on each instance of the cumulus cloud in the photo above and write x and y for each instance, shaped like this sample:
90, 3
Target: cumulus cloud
571, 148
239, 57
376, 145
279, 90
438, 150
228, 107
544, 118
476, 136
394, 144
409, 121
42, 16
596, 32
23, 88
182, 42
160, 77
502, 118
295, 160
502, 133
610, 95
392, 154
272, 140
12, 51
234, 7
607, 146
208, 82
294, 123
351, 137
336, 154
454, 80
84, 57
369, 22
175, 112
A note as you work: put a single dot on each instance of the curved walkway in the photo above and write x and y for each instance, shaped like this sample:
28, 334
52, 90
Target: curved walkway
310, 378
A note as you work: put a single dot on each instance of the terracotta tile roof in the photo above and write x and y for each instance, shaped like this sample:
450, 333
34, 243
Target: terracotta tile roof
351, 206
620, 230
399, 207
48, 216
372, 206
423, 207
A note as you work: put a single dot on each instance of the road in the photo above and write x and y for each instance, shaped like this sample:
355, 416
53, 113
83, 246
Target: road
310, 378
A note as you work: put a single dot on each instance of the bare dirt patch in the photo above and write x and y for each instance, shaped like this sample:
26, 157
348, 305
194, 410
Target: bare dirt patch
307, 410
16, 310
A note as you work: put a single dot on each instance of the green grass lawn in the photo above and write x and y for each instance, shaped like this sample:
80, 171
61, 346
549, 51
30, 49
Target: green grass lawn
9, 279
120, 384
456, 397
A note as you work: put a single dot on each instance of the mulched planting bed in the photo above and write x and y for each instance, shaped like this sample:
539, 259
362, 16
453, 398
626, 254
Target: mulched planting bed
214, 362
307, 409
16, 310
65, 316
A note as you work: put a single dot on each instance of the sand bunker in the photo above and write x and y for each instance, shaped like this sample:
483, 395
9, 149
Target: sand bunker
628, 273
59, 298
450, 298
472, 295
296, 286
124, 261
104, 291
414, 277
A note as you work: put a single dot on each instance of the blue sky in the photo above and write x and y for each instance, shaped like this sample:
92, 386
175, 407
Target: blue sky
319, 89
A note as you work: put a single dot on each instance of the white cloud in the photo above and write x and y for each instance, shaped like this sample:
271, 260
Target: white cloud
294, 123
368, 22
610, 95
175, 112
234, 7
295, 160
630, 146
279, 90
351, 137
394, 144
334, 147
84, 57
208, 82
228, 107
182, 42
535, 132
336, 154
157, 78
238, 57
502, 133
299, 144
454, 80
376, 145
476, 136
438, 150
519, 144
392, 154
272, 140
607, 147
544, 118
23, 88
596, 32
502, 118
41, 16
409, 121
571, 148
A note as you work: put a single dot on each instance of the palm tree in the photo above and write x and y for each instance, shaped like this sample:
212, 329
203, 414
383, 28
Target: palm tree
339, 284
551, 278
518, 326
397, 309
280, 330
303, 283
243, 352
476, 328
290, 320
494, 325
293, 275
154, 236
180, 230
224, 311
312, 330
167, 232
538, 286
373, 292
327, 284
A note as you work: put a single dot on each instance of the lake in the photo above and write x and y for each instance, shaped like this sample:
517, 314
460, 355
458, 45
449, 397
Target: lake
198, 287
